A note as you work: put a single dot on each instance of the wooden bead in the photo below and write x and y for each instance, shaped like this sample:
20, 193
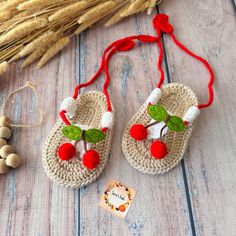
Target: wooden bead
5, 132
13, 160
6, 150
3, 166
5, 121
2, 142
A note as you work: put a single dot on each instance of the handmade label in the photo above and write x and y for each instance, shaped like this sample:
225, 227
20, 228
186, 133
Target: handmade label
117, 198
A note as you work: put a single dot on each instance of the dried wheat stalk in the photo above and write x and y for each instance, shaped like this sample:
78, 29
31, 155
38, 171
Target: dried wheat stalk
44, 39
22, 29
36, 4
53, 50
39, 29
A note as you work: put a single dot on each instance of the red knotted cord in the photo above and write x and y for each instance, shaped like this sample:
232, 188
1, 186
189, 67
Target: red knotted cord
142, 38
119, 45
161, 25
107, 81
206, 64
159, 62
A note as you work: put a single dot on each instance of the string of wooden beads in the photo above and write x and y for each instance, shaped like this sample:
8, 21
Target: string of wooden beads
8, 159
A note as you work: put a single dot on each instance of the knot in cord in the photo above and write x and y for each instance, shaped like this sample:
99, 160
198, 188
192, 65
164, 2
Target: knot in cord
160, 23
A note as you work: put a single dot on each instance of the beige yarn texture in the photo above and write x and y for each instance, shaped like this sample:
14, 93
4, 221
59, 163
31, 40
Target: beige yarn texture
91, 106
176, 98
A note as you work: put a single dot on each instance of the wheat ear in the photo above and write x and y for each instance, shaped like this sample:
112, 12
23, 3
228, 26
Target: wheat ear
44, 39
96, 11
71, 10
10, 5
117, 16
53, 50
33, 56
22, 29
36, 4
132, 11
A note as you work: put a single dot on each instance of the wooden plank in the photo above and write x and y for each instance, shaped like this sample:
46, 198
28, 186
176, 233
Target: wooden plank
29, 203
160, 207
208, 28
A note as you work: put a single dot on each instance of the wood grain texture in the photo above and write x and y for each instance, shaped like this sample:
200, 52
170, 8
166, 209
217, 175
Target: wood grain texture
209, 28
195, 198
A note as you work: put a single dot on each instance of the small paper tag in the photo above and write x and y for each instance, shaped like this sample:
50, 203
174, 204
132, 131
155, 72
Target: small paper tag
117, 198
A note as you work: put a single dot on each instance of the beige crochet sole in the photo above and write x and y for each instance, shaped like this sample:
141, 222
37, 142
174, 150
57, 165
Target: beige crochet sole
177, 99
72, 173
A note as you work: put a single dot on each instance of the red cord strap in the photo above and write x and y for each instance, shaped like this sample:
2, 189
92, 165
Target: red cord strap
161, 25
124, 44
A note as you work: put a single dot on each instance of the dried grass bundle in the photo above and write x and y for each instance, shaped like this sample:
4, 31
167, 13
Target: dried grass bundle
39, 29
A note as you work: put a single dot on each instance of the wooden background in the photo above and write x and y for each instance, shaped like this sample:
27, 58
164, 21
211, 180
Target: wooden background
196, 198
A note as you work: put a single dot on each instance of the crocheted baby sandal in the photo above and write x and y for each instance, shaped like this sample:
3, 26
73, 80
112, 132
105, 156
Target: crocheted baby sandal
76, 153
157, 136
78, 147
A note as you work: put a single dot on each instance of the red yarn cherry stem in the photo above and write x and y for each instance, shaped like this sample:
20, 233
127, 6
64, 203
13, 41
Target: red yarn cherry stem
208, 67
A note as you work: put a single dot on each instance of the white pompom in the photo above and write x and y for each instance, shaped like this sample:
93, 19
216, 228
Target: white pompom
191, 114
69, 104
107, 119
155, 96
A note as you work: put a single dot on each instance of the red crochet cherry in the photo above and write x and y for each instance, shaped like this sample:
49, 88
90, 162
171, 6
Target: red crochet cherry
91, 159
66, 151
138, 132
158, 149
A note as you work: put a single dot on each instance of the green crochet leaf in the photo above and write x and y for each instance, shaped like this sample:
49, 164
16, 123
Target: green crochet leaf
175, 123
94, 135
157, 112
72, 132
